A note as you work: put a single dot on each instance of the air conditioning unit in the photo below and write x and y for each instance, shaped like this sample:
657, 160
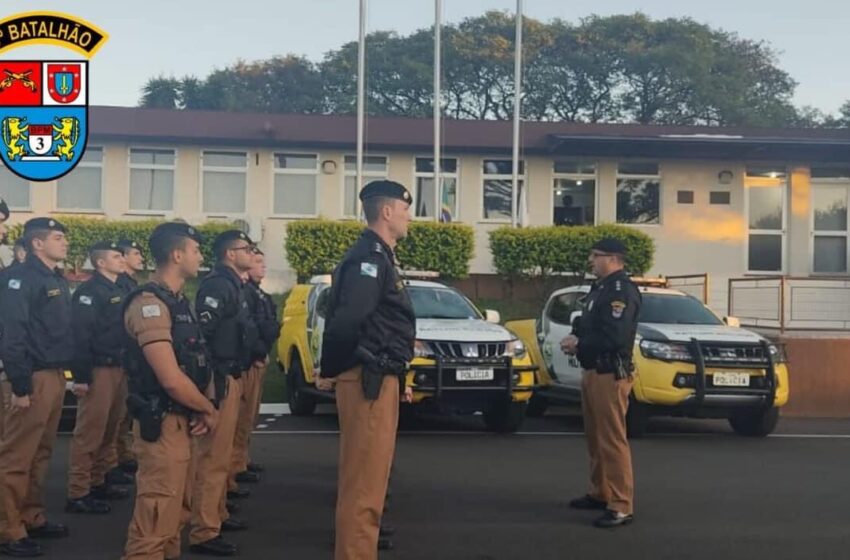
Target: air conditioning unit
252, 226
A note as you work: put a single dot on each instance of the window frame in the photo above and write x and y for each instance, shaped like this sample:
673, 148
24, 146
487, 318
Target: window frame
762, 182
28, 183
89, 165
220, 169
575, 177
314, 172
523, 179
640, 177
151, 167
814, 233
374, 175
443, 175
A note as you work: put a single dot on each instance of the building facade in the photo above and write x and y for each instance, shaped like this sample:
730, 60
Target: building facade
728, 202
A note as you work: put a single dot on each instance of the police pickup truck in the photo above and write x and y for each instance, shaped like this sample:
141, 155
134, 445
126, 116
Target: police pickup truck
465, 362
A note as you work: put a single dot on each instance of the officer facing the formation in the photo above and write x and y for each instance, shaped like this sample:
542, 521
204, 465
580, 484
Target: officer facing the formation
167, 363
603, 344
227, 325
368, 342
121, 456
99, 381
263, 311
38, 347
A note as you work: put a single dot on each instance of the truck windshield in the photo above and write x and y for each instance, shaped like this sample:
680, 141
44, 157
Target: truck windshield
440, 303
677, 310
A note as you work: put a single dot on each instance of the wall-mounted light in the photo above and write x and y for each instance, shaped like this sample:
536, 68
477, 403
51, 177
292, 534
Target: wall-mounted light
725, 177
329, 167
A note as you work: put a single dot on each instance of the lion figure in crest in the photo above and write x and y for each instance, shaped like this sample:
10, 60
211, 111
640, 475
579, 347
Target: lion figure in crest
67, 131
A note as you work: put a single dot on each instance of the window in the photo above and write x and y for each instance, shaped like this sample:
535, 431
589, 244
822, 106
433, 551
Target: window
574, 202
563, 306
82, 188
296, 184
14, 190
498, 189
151, 180
720, 197
830, 231
374, 168
224, 182
638, 193
766, 200
685, 197
424, 195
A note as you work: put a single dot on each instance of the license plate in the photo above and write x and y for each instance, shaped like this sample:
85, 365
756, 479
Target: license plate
475, 374
732, 379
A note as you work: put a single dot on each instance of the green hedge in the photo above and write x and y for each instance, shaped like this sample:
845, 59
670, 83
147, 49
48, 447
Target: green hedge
83, 231
547, 251
316, 246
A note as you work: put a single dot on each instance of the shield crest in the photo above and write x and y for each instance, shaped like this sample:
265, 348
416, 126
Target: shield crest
43, 117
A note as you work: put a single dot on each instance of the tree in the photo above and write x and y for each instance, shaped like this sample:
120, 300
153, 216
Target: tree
160, 93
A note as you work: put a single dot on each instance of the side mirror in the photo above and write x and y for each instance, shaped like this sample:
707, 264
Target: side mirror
492, 316
732, 321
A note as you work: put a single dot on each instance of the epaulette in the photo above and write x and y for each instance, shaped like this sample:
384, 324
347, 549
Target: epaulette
377, 248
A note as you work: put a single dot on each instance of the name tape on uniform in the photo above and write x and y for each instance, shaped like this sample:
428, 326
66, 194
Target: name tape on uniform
149, 311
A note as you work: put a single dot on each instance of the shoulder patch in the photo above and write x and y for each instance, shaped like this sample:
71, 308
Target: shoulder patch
54, 292
149, 311
14, 284
116, 299
211, 301
86, 300
368, 269
205, 317
617, 308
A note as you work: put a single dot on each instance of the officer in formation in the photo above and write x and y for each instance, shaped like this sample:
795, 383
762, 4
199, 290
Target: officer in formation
262, 308
171, 392
228, 326
99, 381
603, 344
368, 342
4, 216
121, 454
37, 348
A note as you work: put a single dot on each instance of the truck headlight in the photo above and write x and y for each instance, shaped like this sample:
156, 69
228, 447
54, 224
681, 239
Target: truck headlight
777, 353
516, 348
421, 349
669, 352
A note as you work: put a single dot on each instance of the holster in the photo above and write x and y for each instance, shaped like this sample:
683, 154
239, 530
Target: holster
149, 411
374, 368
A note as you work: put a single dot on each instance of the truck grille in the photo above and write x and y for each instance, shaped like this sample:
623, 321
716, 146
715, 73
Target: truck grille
469, 349
720, 355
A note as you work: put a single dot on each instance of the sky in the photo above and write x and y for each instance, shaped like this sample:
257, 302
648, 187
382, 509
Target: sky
176, 38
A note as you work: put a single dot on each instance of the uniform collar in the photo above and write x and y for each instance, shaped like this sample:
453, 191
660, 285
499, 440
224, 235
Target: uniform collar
614, 276
228, 271
101, 279
372, 236
38, 265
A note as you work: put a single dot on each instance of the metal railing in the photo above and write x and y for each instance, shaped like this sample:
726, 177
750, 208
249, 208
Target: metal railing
694, 284
817, 303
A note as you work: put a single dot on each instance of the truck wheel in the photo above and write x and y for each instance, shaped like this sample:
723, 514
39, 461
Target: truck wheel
505, 418
637, 419
755, 422
300, 403
537, 406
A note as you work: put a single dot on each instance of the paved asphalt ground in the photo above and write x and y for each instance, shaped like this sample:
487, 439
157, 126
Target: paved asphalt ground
462, 493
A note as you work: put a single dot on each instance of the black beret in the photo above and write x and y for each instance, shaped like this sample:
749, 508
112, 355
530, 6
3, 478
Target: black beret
178, 229
4, 209
227, 237
43, 223
125, 245
610, 245
387, 189
104, 246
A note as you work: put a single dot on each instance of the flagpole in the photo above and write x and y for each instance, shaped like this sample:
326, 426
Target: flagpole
361, 103
438, 16
517, 106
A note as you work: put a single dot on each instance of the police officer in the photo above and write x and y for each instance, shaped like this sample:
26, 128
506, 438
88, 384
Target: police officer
230, 330
265, 317
603, 344
4, 216
121, 456
99, 381
38, 347
367, 344
169, 378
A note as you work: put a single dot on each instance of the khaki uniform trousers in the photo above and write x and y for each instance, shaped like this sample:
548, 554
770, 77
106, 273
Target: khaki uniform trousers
122, 452
605, 402
26, 445
214, 453
366, 447
249, 407
163, 487
98, 419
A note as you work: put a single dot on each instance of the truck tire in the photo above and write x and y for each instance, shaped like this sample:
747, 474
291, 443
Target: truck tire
505, 418
637, 419
300, 403
537, 406
756, 422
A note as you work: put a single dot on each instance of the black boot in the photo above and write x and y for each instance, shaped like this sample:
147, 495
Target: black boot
119, 477
247, 477
215, 547
232, 524
108, 492
48, 531
88, 505
129, 467
22, 548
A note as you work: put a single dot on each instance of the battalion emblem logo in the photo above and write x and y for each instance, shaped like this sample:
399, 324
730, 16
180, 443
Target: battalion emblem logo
44, 103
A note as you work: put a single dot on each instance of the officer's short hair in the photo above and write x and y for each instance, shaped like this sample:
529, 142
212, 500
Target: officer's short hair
32, 235
167, 244
372, 207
